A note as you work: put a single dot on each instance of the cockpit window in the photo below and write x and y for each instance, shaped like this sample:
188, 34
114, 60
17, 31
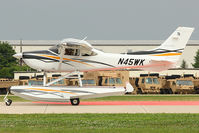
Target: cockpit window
73, 51
54, 49
70, 51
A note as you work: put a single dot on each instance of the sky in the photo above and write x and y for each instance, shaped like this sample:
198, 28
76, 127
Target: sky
96, 19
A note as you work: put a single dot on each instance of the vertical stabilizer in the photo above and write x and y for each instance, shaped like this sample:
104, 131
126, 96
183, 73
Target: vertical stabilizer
178, 39
168, 53
173, 47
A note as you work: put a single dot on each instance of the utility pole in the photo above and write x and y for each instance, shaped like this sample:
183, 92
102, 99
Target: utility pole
20, 61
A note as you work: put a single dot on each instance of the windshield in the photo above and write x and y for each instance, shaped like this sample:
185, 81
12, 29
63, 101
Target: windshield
111, 81
91, 81
184, 82
155, 81
118, 81
148, 80
84, 82
35, 82
54, 49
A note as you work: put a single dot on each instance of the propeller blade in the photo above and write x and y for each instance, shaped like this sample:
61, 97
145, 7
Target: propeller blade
18, 55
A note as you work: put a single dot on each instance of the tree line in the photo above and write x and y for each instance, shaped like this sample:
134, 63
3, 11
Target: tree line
9, 64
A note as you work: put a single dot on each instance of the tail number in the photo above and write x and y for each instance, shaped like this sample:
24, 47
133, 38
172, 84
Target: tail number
128, 61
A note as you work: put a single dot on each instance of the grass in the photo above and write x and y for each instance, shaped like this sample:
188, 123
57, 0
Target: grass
129, 98
14, 98
148, 98
138, 123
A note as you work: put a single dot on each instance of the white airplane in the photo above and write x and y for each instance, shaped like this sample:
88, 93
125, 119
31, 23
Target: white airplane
75, 56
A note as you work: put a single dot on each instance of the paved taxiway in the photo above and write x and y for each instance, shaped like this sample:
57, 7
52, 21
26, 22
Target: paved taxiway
29, 107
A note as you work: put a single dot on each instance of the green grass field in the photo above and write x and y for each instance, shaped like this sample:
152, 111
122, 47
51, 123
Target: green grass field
116, 123
130, 98
148, 98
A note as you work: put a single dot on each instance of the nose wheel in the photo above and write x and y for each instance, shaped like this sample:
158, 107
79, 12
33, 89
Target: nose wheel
8, 102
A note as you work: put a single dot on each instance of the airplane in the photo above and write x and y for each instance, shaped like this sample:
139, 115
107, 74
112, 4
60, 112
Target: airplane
75, 56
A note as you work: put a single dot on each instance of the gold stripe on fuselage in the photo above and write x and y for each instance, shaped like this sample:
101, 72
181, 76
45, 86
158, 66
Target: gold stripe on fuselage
39, 89
167, 54
56, 57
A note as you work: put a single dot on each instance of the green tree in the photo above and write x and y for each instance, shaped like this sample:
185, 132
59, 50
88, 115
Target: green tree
196, 59
6, 55
184, 64
8, 64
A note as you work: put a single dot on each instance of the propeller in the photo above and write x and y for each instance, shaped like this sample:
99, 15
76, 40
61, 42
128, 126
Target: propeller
19, 56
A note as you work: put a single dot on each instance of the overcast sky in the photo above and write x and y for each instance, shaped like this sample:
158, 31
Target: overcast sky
96, 19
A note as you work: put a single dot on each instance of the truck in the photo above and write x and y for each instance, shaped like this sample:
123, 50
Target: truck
5, 84
174, 84
147, 84
108, 78
38, 80
181, 84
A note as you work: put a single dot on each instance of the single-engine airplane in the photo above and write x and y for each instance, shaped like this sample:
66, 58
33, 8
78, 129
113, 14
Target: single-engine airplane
75, 56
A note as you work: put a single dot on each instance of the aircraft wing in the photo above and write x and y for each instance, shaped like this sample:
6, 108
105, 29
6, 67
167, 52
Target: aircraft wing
80, 44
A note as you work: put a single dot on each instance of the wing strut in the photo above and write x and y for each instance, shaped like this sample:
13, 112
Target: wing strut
80, 80
44, 79
65, 76
61, 58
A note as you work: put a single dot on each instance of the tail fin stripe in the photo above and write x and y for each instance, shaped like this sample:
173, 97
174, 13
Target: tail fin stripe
167, 54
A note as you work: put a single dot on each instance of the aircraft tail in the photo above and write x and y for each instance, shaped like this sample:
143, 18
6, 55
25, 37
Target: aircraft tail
168, 53
173, 47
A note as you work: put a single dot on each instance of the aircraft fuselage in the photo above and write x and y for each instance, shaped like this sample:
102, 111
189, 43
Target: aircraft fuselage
49, 61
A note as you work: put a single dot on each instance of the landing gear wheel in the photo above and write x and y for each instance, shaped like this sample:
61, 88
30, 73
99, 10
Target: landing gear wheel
8, 102
75, 101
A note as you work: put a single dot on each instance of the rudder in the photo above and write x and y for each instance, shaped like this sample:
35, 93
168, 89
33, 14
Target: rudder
178, 39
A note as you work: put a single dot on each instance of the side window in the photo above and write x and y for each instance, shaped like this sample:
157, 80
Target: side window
73, 52
76, 52
106, 81
85, 52
155, 81
143, 81
84, 82
91, 81
111, 81
118, 81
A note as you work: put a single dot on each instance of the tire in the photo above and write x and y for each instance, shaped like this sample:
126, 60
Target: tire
139, 91
162, 91
170, 91
75, 101
8, 102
